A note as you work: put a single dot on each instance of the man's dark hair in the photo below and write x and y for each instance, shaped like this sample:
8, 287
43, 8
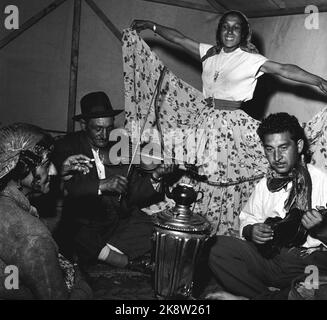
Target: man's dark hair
283, 122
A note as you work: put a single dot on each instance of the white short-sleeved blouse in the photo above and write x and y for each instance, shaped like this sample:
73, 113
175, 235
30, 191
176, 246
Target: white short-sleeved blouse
230, 76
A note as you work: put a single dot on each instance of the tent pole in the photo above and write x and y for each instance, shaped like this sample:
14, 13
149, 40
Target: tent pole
30, 22
74, 65
104, 19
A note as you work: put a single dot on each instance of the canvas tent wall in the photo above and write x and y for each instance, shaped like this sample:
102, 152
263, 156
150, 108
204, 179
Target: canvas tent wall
35, 68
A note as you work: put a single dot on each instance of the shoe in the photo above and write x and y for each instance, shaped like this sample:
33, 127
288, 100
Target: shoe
223, 295
142, 265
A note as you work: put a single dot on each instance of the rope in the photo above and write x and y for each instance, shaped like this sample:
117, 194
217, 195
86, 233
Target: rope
233, 183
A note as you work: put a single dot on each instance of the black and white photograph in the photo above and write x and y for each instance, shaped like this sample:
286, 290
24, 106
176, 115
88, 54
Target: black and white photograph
163, 154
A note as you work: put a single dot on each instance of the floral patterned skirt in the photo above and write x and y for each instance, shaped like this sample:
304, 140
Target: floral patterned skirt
223, 144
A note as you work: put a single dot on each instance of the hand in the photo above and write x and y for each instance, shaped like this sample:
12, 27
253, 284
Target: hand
311, 218
139, 25
162, 170
79, 163
115, 183
323, 86
261, 233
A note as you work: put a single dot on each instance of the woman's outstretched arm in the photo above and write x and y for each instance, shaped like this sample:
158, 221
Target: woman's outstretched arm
293, 72
169, 34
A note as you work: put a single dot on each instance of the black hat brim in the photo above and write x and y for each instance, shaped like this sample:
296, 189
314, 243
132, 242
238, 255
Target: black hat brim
97, 115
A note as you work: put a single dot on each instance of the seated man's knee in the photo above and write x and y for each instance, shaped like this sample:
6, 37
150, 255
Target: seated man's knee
224, 247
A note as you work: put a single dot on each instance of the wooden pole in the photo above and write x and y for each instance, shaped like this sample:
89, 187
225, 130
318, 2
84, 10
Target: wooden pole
74, 65
30, 22
105, 19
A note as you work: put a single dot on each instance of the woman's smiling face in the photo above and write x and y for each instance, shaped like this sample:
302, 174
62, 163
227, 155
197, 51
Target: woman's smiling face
231, 32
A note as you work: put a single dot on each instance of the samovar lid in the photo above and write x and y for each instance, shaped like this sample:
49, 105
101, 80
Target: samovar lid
181, 218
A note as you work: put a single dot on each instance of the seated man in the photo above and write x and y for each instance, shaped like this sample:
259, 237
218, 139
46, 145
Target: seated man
240, 266
101, 218
25, 242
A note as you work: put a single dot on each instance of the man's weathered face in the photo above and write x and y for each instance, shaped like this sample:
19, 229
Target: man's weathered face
282, 152
98, 131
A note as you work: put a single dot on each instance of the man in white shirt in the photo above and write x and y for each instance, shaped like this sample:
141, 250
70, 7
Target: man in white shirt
240, 265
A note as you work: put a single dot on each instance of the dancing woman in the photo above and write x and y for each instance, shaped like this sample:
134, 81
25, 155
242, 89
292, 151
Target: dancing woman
232, 156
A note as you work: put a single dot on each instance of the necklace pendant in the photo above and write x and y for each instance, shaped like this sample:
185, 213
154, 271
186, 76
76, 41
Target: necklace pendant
216, 75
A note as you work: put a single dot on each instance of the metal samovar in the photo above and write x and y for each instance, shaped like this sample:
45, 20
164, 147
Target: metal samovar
179, 236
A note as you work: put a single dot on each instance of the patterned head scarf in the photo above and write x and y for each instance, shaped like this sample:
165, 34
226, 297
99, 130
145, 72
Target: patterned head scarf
246, 35
21, 140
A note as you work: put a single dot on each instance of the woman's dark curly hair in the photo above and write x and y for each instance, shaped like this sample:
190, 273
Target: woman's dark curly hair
283, 122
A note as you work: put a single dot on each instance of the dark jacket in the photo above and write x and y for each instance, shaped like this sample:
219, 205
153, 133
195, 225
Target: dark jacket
82, 189
93, 217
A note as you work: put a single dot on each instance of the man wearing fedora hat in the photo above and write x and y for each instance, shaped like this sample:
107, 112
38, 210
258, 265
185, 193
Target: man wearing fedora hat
97, 222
